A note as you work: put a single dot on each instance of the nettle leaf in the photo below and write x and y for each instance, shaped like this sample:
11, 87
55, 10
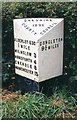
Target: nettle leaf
73, 78
76, 77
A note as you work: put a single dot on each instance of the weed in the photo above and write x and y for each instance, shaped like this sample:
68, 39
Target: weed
34, 106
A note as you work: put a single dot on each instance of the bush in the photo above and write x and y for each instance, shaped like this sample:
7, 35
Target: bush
66, 10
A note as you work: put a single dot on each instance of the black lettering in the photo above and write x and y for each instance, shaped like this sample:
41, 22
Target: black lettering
48, 27
21, 63
42, 48
35, 61
40, 19
32, 20
23, 24
34, 55
18, 44
25, 70
39, 25
61, 39
35, 33
21, 46
35, 25
31, 66
36, 73
28, 47
30, 29
41, 33
42, 24
27, 28
48, 47
29, 20
53, 40
22, 58
48, 41
46, 19
56, 40
32, 42
35, 67
40, 43
45, 42
45, 47
44, 31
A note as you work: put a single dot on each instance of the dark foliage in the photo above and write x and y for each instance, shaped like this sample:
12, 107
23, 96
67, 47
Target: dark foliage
67, 11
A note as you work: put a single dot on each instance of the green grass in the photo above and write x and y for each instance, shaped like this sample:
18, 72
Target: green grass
34, 106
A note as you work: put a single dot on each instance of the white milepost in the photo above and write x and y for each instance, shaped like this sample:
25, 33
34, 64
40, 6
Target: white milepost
38, 47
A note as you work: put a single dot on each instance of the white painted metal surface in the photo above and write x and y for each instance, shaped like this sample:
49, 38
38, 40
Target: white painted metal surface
38, 45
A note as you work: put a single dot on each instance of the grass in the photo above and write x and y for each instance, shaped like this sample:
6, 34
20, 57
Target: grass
0, 104
39, 106
61, 107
